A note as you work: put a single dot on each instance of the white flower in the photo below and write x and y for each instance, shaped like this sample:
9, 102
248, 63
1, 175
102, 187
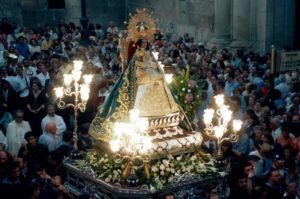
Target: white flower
183, 89
178, 172
189, 85
181, 81
168, 169
152, 188
193, 158
162, 167
189, 90
107, 179
154, 169
115, 172
166, 163
172, 170
162, 173
178, 158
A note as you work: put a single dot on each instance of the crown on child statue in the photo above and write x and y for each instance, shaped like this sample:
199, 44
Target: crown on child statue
141, 26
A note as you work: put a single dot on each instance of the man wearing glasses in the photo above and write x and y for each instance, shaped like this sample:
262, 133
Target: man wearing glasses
15, 132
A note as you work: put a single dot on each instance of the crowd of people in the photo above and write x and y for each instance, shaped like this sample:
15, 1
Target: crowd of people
35, 135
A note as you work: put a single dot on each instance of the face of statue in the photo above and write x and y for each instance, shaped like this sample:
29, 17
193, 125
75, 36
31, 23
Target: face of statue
144, 44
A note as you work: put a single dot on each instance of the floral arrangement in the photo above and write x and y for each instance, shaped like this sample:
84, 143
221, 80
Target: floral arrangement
186, 90
163, 172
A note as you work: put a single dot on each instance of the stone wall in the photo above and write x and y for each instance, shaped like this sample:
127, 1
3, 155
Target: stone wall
36, 11
193, 16
98, 11
12, 10
251, 24
104, 11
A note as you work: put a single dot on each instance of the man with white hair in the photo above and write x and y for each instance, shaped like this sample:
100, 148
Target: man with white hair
52, 117
49, 138
275, 127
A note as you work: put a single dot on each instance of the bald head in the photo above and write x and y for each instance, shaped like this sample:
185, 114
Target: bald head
51, 128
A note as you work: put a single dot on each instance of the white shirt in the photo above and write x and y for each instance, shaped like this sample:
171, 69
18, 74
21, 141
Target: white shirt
43, 78
276, 133
15, 135
23, 85
34, 49
12, 81
51, 141
30, 71
58, 120
284, 89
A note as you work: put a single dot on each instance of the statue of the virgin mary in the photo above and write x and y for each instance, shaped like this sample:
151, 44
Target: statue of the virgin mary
142, 86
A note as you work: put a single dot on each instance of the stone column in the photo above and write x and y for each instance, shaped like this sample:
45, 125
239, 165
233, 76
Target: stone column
240, 24
222, 24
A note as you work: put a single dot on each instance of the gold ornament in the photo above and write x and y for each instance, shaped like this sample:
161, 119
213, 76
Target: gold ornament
141, 26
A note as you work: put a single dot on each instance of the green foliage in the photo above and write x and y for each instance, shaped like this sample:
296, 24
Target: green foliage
186, 90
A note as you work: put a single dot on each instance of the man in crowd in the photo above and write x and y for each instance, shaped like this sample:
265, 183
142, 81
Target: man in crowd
16, 131
49, 138
52, 117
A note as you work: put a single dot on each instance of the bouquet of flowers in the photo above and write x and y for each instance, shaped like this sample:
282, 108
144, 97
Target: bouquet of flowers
163, 172
186, 90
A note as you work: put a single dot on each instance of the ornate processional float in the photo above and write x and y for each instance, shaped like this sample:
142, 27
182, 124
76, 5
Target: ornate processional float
145, 145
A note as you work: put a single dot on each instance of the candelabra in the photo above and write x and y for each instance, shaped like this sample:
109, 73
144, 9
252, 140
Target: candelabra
75, 87
217, 122
131, 142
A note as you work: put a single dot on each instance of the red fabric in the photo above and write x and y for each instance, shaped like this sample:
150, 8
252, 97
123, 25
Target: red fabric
264, 90
131, 49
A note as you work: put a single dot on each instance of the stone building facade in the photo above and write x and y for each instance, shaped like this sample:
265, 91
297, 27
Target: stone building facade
11, 9
249, 24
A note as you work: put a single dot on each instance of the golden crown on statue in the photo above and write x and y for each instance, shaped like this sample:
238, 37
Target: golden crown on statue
141, 26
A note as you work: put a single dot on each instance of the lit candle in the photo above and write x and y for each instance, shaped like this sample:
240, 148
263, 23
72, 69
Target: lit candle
219, 131
84, 92
219, 100
78, 64
237, 125
87, 78
59, 91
